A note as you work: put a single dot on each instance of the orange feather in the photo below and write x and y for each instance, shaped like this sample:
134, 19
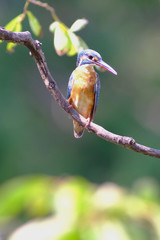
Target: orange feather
82, 95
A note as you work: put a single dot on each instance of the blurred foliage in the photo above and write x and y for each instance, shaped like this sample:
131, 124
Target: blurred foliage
32, 126
72, 208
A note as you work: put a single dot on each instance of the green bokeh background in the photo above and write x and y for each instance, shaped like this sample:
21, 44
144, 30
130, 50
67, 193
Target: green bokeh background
36, 136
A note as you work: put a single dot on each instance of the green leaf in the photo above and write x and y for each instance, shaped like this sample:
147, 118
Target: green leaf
12, 25
73, 49
77, 44
34, 24
62, 41
11, 45
53, 26
65, 41
78, 25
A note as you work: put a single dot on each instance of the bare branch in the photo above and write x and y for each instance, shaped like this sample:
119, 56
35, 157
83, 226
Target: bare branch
44, 5
25, 38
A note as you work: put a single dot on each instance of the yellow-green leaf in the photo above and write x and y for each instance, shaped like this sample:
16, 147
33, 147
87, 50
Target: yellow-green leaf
62, 42
10, 45
12, 25
77, 44
53, 26
78, 25
34, 24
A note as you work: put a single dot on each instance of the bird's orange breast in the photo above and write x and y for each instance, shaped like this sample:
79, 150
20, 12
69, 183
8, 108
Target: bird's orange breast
82, 95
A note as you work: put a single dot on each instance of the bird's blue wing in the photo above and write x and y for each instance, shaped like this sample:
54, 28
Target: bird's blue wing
96, 92
70, 83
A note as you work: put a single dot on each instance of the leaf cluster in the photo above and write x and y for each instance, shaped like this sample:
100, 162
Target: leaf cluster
15, 25
65, 40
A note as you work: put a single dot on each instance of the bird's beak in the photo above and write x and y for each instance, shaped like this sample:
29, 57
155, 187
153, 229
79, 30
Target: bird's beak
106, 66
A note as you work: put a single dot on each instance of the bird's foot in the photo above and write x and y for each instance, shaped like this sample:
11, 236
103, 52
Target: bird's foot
70, 106
88, 122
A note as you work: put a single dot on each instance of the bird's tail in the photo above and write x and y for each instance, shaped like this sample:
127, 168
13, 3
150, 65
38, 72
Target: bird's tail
78, 130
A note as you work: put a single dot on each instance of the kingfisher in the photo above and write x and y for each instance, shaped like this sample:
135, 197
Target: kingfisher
84, 85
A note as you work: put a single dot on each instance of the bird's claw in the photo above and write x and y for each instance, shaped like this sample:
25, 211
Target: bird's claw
88, 122
70, 106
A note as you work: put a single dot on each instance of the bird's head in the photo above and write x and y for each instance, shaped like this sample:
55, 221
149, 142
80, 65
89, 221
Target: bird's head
91, 57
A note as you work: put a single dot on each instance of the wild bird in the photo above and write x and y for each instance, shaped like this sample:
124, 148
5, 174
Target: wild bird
84, 86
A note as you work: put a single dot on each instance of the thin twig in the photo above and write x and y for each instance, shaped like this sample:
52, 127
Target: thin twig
47, 7
25, 38
26, 7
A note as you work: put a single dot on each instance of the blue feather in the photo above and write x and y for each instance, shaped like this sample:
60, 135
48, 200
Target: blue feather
96, 92
70, 84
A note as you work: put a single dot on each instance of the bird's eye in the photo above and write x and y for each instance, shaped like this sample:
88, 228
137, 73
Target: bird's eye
90, 57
